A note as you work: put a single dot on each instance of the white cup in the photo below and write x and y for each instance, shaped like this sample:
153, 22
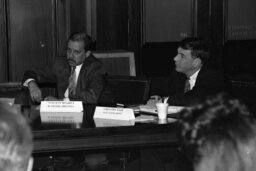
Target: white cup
162, 109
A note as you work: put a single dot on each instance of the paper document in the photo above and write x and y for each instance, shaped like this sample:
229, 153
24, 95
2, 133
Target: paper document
153, 109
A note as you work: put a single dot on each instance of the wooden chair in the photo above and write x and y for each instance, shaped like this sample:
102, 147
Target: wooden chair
129, 89
117, 62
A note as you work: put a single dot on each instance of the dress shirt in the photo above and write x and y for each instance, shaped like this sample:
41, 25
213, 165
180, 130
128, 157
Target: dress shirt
192, 79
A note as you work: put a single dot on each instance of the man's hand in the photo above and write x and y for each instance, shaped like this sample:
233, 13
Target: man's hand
51, 98
153, 100
35, 92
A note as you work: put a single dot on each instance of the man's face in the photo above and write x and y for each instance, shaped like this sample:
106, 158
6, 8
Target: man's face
76, 53
184, 61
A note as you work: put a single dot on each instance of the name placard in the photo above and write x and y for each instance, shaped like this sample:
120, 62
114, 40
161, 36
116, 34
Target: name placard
110, 122
61, 117
125, 114
61, 106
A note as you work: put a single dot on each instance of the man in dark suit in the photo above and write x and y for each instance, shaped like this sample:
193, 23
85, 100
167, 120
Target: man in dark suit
90, 75
192, 80
87, 83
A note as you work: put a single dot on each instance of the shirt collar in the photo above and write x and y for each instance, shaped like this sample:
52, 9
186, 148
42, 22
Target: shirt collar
194, 76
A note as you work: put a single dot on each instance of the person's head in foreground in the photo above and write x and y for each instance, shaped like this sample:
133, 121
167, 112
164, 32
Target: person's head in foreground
15, 141
219, 135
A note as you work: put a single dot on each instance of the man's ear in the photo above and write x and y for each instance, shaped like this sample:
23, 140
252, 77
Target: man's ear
30, 164
197, 62
88, 53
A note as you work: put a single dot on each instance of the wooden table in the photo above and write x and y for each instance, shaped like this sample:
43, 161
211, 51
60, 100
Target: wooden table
86, 136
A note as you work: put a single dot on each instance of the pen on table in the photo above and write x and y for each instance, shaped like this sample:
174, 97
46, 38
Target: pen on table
119, 105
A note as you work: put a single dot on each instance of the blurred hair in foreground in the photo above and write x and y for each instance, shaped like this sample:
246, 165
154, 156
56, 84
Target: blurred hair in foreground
15, 140
219, 135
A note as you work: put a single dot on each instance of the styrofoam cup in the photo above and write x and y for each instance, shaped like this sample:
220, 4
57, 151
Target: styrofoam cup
162, 110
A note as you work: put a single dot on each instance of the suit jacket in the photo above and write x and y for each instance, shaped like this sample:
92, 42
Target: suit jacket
209, 82
90, 84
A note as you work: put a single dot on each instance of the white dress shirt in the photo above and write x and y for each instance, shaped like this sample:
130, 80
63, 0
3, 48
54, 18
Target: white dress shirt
192, 79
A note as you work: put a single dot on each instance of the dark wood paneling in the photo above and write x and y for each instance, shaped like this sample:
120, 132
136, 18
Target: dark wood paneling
135, 31
77, 16
112, 24
217, 22
202, 18
210, 26
3, 42
31, 35
158, 58
62, 25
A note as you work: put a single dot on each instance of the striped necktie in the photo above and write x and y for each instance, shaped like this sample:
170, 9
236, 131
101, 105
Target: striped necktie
72, 82
187, 86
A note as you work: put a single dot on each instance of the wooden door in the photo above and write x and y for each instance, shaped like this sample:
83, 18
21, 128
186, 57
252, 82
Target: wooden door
3, 42
31, 35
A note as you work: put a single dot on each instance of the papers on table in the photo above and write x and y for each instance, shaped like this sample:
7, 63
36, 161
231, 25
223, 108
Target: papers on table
153, 109
61, 112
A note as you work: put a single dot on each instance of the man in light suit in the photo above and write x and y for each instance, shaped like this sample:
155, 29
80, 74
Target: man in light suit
90, 73
191, 65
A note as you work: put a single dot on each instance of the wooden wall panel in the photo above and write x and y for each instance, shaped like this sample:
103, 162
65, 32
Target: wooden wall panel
3, 42
112, 24
31, 35
202, 18
78, 16
62, 25
209, 24
135, 31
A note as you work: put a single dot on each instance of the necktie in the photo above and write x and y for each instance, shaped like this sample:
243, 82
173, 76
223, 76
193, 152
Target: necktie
187, 86
72, 82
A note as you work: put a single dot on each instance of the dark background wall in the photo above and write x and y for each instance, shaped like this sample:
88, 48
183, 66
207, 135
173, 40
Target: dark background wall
33, 33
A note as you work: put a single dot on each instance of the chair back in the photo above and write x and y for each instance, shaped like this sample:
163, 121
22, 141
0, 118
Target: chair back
117, 62
129, 89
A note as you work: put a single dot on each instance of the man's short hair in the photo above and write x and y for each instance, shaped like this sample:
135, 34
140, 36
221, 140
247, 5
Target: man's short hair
199, 48
219, 135
15, 140
82, 37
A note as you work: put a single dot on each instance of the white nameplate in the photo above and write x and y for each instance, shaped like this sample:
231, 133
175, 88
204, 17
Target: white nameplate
110, 122
114, 113
61, 106
61, 117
